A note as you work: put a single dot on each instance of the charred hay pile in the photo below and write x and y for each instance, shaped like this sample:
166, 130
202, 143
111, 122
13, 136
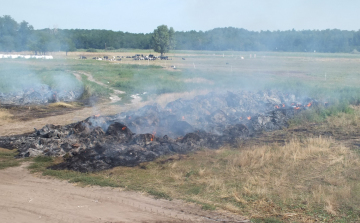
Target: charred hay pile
129, 138
41, 94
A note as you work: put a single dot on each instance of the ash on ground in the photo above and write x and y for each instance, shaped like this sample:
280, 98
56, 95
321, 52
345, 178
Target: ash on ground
182, 126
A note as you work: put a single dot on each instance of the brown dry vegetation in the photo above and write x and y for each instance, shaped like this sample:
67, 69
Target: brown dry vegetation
4, 114
5, 117
304, 180
310, 177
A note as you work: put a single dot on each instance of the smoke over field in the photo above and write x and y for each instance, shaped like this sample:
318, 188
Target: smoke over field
23, 84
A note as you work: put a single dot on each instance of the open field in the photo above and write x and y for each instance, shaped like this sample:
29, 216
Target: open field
200, 70
329, 77
309, 172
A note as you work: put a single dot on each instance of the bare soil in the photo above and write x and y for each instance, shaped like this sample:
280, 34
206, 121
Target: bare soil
27, 198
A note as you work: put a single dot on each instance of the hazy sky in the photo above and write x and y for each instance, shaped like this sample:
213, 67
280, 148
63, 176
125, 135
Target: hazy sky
143, 16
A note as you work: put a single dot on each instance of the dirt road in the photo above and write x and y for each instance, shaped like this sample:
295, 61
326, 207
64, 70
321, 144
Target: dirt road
27, 198
113, 97
14, 126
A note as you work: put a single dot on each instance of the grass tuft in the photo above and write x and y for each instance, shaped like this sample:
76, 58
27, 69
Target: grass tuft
7, 158
159, 194
42, 159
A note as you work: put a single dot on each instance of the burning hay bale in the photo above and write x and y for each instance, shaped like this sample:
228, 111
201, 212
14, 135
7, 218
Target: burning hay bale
129, 138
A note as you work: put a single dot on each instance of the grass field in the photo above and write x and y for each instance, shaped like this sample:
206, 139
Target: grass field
309, 178
303, 72
329, 77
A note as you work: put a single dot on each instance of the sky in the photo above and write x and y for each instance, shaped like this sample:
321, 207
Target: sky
143, 16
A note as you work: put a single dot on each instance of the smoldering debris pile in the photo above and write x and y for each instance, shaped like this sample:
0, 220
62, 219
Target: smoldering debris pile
129, 138
41, 94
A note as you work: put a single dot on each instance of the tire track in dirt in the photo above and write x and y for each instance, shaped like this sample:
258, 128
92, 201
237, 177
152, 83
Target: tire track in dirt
113, 97
14, 126
26, 198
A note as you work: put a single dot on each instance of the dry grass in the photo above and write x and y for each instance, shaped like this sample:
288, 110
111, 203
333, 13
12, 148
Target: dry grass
312, 172
5, 115
61, 104
348, 123
304, 180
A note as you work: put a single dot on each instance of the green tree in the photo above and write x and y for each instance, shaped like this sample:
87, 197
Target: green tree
67, 45
40, 42
8, 32
24, 32
163, 39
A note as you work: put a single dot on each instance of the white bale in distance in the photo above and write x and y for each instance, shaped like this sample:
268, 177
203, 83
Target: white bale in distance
26, 56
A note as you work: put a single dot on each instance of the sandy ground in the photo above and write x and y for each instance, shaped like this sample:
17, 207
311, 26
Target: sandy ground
13, 127
28, 198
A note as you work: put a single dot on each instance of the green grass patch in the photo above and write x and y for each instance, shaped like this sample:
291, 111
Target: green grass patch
7, 158
90, 180
159, 194
43, 159
266, 220
204, 206
208, 207
9, 163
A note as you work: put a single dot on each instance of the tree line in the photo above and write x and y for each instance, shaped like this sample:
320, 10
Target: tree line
22, 36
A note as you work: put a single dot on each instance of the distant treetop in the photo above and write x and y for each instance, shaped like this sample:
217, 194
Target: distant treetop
22, 37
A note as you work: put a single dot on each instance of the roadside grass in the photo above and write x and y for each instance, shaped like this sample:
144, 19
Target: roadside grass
307, 179
7, 158
312, 179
